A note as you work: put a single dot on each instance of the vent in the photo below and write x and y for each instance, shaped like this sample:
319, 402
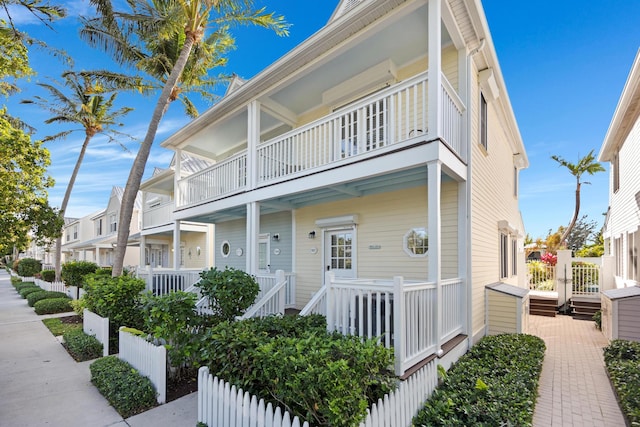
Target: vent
344, 7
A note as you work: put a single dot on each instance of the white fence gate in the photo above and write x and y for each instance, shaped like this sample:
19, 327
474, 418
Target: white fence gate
149, 359
92, 324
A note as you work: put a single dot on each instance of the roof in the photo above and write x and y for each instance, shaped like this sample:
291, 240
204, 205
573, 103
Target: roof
505, 288
620, 293
625, 115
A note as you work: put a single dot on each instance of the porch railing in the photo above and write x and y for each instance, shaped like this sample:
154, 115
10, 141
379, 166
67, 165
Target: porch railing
388, 117
163, 281
267, 281
586, 278
541, 276
401, 314
271, 301
158, 215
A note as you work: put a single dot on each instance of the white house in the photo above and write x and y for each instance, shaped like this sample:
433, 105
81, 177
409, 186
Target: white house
621, 148
384, 151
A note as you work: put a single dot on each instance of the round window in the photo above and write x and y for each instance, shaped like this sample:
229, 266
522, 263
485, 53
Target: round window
416, 242
225, 249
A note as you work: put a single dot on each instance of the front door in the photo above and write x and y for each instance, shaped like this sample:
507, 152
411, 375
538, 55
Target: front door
339, 252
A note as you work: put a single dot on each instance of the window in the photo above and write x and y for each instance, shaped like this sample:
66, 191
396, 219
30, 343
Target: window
416, 242
75, 232
263, 253
225, 249
514, 256
504, 255
633, 242
113, 224
615, 166
99, 227
617, 242
68, 235
483, 122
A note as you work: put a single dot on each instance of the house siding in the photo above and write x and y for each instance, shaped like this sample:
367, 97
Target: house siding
234, 232
383, 220
492, 200
629, 319
624, 216
192, 241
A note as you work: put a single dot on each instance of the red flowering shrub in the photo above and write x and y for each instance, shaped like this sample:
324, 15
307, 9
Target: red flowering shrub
549, 258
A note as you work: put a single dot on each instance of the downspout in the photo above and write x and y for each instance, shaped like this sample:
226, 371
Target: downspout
469, 192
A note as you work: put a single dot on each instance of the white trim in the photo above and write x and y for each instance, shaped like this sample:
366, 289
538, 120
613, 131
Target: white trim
344, 220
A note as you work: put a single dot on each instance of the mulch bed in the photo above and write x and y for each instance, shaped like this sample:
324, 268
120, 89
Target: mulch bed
178, 389
71, 319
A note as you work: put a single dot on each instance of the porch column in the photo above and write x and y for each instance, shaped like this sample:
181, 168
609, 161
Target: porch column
176, 245
434, 189
177, 173
143, 247
435, 67
253, 139
253, 231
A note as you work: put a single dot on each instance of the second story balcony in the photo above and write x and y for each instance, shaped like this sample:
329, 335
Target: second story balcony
391, 119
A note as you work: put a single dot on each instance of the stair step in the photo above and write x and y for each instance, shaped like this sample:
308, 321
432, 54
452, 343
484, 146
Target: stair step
547, 313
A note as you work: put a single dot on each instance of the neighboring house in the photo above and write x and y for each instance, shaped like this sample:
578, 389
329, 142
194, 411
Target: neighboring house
93, 237
621, 148
384, 145
165, 243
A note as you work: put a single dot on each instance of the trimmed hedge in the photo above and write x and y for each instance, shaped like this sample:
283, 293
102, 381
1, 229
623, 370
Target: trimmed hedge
494, 384
28, 267
82, 346
126, 390
52, 306
28, 290
622, 359
21, 285
34, 297
48, 275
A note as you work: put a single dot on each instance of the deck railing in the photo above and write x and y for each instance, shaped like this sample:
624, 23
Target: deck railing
267, 281
158, 215
271, 301
163, 281
401, 314
391, 116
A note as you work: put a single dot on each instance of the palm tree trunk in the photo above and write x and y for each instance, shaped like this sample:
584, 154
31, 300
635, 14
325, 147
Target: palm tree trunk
137, 169
65, 201
575, 217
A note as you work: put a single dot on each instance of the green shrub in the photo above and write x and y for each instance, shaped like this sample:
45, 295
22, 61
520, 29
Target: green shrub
173, 319
78, 306
494, 384
53, 305
38, 296
15, 281
28, 290
327, 379
73, 272
48, 275
21, 285
82, 346
126, 390
597, 317
230, 292
28, 267
622, 359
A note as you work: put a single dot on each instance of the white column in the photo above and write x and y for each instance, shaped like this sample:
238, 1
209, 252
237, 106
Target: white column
435, 67
253, 139
177, 173
434, 188
253, 230
176, 245
143, 246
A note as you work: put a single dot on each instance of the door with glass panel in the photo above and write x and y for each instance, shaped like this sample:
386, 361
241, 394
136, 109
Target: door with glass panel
339, 252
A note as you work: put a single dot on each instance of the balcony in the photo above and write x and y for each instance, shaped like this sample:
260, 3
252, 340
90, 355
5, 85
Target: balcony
367, 128
158, 215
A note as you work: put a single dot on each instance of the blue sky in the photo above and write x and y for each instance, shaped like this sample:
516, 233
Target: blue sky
564, 63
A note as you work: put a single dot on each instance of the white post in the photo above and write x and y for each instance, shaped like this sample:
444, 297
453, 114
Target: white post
253, 139
607, 273
176, 245
564, 276
177, 174
328, 283
399, 326
253, 231
149, 278
280, 277
434, 189
435, 67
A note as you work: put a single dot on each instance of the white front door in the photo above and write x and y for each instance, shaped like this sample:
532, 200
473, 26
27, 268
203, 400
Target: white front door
339, 252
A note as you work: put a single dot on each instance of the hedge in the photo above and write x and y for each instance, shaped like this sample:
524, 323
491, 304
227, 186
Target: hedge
82, 346
28, 290
52, 306
34, 297
21, 285
123, 386
48, 275
494, 384
622, 359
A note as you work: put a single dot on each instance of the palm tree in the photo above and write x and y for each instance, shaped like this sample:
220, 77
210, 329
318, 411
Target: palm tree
165, 23
86, 106
586, 164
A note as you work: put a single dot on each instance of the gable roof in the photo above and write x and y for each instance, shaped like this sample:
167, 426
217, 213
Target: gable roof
625, 116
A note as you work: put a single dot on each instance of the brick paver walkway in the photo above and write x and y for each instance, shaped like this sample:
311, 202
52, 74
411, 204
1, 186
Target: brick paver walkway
574, 388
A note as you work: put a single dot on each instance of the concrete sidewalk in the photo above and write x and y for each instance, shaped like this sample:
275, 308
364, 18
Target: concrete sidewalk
41, 385
574, 388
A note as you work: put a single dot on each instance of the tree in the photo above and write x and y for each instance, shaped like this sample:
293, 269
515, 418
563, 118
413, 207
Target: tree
23, 185
130, 37
587, 164
87, 106
596, 249
582, 232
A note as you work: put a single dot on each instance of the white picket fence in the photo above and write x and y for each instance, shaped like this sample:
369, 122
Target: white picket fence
221, 404
149, 359
51, 286
92, 324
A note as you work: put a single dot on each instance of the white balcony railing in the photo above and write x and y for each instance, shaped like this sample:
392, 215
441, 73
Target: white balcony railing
158, 215
389, 117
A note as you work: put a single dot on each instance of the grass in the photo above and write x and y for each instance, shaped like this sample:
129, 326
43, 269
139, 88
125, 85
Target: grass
58, 327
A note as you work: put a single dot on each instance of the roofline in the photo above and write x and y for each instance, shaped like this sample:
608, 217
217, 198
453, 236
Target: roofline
630, 91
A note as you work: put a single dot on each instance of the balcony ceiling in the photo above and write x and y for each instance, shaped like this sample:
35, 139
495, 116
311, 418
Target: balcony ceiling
401, 39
